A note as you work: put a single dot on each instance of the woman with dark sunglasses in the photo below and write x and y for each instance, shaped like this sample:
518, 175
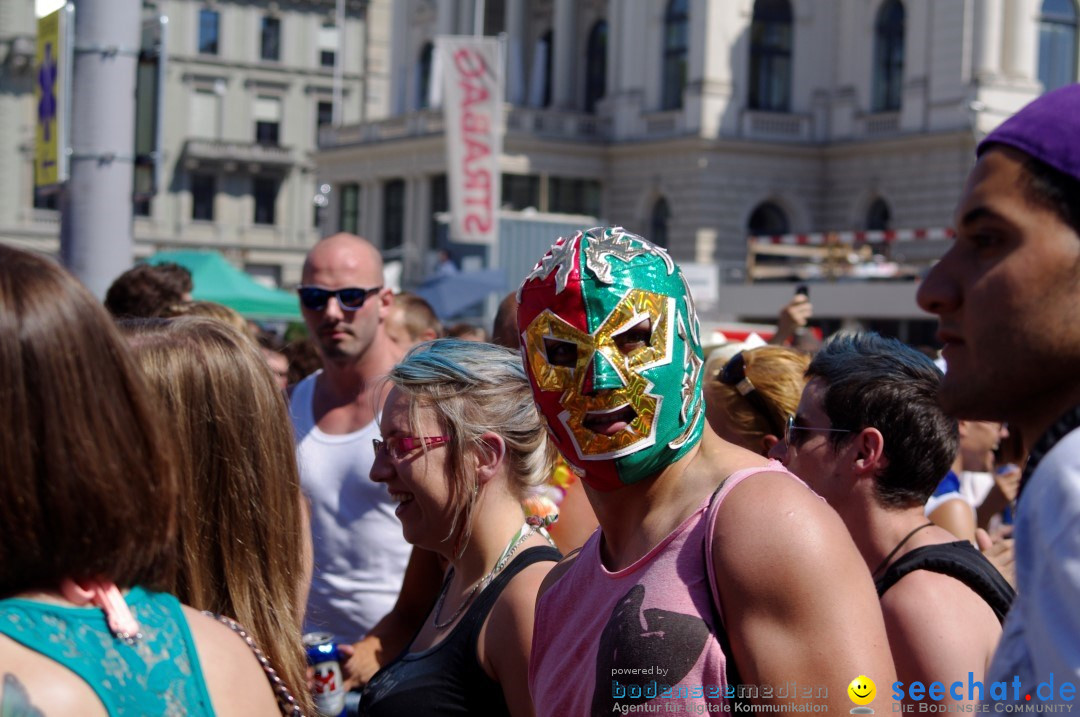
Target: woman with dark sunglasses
748, 398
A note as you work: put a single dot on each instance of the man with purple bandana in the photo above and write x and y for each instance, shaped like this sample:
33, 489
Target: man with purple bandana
700, 541
1007, 296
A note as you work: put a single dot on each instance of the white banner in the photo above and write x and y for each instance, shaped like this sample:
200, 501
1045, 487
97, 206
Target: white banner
472, 105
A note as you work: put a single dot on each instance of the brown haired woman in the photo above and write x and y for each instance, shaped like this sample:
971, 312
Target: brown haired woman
243, 531
87, 524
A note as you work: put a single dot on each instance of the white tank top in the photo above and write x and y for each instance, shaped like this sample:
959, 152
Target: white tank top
360, 554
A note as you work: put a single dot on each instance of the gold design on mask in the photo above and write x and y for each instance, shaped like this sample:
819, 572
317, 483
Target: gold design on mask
636, 306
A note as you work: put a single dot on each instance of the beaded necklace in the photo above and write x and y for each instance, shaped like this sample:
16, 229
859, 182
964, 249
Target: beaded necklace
511, 547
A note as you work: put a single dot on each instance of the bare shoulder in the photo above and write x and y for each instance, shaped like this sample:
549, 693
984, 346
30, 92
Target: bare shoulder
555, 573
235, 680
778, 520
938, 625
34, 685
518, 599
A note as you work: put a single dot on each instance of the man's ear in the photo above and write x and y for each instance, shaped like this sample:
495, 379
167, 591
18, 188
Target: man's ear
489, 456
869, 447
386, 302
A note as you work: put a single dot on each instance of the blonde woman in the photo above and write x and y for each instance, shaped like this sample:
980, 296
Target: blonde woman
462, 443
244, 546
749, 397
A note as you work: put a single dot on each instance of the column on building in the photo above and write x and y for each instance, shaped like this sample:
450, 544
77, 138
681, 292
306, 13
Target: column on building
988, 38
515, 49
400, 62
564, 67
446, 17
1021, 31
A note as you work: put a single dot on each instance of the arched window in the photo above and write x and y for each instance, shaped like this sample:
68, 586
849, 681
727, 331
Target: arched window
767, 220
423, 76
770, 56
878, 215
596, 65
1057, 43
888, 56
658, 223
676, 47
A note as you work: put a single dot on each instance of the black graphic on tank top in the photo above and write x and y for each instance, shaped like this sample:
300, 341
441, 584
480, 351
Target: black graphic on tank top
642, 639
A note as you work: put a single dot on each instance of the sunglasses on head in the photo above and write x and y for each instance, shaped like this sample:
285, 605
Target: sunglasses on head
350, 298
734, 374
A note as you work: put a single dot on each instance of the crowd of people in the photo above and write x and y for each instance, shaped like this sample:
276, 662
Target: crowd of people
590, 513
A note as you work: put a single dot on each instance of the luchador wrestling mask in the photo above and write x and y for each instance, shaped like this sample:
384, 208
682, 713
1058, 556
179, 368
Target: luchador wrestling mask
611, 346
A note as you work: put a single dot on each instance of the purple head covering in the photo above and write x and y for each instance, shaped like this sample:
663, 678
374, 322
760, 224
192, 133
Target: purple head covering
1047, 128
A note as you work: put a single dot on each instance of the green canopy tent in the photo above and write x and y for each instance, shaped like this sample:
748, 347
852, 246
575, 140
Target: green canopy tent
217, 280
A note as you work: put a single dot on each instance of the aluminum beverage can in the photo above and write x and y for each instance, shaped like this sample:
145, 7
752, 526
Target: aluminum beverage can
328, 687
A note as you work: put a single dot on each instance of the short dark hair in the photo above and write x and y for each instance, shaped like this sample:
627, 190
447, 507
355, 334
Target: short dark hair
90, 482
145, 291
1046, 187
878, 382
1054, 190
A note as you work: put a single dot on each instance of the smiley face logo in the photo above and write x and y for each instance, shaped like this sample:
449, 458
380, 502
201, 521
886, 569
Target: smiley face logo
862, 690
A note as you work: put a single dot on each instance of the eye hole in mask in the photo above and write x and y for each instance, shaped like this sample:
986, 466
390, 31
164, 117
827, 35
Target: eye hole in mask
561, 353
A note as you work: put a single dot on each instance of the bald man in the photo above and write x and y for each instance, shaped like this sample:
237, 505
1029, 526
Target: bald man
360, 554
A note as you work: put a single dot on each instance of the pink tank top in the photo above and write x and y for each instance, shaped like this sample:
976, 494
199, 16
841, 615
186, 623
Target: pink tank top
643, 635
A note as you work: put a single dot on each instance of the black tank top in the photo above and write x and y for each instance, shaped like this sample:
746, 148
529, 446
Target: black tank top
960, 560
447, 679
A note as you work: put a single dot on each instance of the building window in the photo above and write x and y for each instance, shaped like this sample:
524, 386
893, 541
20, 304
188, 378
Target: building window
324, 117
596, 65
349, 210
203, 190
423, 76
888, 56
770, 56
520, 191
574, 196
267, 120
49, 201
547, 43
270, 39
141, 206
268, 275
264, 190
658, 223
494, 17
208, 31
440, 202
767, 220
878, 215
328, 44
393, 214
205, 114
1057, 44
676, 46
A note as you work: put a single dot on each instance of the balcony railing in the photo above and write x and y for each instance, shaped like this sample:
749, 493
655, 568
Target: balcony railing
775, 126
554, 124
219, 151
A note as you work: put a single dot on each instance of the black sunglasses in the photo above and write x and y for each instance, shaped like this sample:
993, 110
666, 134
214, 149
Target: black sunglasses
734, 374
351, 298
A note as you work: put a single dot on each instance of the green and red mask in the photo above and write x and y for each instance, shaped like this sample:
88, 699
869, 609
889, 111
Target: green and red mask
611, 346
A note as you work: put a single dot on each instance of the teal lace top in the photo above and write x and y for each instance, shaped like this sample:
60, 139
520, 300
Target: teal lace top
158, 675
